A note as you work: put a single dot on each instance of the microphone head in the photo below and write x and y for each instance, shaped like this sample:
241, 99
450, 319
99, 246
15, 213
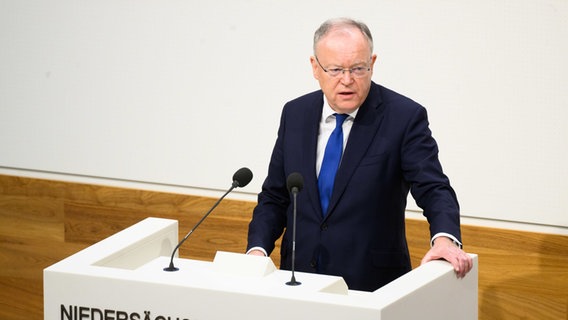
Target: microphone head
242, 177
295, 180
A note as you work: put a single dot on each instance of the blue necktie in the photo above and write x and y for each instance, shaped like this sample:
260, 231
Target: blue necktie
330, 163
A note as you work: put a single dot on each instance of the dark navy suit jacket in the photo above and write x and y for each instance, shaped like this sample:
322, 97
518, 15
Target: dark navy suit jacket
390, 151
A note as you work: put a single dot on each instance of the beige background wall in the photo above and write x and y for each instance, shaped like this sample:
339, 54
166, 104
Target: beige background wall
184, 93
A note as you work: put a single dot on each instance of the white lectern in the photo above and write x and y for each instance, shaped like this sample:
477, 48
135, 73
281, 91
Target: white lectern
122, 278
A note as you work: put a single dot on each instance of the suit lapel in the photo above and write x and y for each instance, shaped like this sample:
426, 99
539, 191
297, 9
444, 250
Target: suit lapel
309, 147
362, 134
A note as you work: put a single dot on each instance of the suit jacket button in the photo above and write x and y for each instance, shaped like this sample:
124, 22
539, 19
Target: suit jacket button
313, 264
323, 227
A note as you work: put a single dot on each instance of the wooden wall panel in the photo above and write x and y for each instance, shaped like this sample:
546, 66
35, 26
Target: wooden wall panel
522, 275
20, 298
222, 230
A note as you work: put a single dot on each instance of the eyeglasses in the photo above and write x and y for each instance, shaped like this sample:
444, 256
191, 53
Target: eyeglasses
356, 72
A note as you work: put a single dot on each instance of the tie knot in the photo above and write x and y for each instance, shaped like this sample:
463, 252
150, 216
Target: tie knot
340, 118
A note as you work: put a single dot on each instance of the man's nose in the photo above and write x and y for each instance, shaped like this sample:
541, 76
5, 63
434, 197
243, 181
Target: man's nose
346, 76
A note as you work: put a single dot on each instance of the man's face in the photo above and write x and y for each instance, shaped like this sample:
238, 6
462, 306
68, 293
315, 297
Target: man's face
343, 48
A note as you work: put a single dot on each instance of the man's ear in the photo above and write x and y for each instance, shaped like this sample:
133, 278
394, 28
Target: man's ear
314, 67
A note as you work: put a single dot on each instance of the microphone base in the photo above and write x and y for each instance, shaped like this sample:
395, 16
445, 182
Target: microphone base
171, 268
293, 281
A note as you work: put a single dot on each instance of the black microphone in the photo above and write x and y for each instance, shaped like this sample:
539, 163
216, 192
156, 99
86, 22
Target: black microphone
240, 179
295, 183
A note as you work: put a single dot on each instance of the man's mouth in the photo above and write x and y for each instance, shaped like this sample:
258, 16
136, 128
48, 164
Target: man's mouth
346, 93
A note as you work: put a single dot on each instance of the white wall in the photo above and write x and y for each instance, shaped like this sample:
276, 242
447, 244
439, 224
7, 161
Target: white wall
183, 93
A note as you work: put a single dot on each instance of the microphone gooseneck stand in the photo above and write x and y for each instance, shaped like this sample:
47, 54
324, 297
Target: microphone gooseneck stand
295, 183
240, 179
171, 267
293, 281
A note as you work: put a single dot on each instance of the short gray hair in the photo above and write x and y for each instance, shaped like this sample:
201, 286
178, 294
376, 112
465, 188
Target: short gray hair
341, 22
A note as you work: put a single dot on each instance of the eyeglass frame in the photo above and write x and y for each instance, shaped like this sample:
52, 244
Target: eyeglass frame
341, 71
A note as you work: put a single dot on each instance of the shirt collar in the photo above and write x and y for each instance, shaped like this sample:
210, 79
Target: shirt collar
328, 111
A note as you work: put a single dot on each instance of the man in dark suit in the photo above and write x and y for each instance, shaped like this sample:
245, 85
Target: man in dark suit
388, 151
